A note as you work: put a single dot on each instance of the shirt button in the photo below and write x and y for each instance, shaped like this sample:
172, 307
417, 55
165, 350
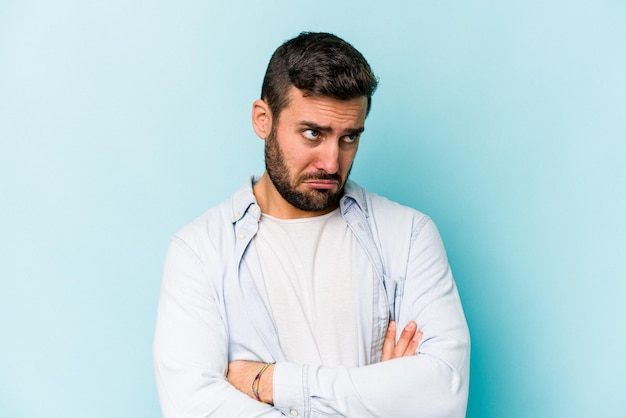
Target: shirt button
293, 413
253, 208
241, 235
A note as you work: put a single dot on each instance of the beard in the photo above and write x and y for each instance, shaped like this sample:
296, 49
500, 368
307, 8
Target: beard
312, 200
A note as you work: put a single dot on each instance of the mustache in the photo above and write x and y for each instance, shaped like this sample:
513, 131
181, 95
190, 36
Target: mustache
321, 176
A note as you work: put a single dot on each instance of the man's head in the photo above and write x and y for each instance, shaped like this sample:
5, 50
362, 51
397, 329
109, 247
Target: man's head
316, 94
319, 64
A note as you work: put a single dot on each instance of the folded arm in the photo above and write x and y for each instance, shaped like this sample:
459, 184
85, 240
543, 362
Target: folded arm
191, 346
435, 383
242, 374
191, 354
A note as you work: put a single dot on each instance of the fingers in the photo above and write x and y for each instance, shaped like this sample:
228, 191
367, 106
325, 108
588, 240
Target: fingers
390, 341
411, 348
407, 343
405, 340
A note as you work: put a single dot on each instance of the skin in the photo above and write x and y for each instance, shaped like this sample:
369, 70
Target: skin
318, 138
309, 153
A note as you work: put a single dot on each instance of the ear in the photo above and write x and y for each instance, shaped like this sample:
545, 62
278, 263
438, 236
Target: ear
261, 118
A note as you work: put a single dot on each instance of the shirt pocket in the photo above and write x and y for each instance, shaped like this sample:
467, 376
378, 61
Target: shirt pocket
394, 289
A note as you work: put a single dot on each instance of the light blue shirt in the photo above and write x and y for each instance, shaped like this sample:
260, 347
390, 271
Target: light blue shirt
212, 311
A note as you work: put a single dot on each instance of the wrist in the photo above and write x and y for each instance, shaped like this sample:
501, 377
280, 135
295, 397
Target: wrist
262, 385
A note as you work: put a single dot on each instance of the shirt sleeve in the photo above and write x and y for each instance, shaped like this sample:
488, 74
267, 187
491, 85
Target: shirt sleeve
432, 384
191, 346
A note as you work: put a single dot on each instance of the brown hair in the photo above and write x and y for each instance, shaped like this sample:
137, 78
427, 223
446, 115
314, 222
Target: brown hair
320, 64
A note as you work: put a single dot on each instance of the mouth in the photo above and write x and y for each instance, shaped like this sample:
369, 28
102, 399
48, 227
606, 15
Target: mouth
322, 184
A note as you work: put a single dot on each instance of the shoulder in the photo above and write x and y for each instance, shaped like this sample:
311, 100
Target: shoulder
205, 225
215, 226
385, 213
401, 234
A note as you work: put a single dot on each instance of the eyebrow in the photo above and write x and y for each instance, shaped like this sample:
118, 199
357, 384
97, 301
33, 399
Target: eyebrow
327, 129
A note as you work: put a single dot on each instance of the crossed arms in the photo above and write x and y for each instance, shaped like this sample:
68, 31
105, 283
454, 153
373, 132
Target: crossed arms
242, 374
195, 379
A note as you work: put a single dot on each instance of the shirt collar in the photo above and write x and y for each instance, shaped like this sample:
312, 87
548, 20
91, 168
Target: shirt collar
353, 195
244, 199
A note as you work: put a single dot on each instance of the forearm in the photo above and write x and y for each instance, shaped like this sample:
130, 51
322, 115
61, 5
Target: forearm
411, 386
253, 378
429, 387
190, 377
184, 394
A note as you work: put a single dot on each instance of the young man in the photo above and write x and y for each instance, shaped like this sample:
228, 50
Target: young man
301, 294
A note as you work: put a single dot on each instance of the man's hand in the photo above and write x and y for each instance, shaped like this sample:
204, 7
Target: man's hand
406, 345
241, 374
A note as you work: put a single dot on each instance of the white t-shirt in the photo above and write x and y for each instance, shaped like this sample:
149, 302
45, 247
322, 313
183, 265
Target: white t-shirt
307, 272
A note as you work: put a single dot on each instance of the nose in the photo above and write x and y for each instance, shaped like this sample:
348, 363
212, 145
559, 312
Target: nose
328, 157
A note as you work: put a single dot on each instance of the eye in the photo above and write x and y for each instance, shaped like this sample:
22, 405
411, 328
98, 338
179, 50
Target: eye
349, 139
311, 134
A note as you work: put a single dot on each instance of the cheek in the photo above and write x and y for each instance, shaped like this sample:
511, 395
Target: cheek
298, 161
346, 160
293, 156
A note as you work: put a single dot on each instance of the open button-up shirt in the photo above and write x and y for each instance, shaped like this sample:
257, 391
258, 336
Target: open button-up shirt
213, 310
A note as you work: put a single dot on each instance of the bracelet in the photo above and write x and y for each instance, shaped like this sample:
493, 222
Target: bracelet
257, 381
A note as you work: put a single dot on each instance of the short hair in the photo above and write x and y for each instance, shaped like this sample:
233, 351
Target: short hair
320, 64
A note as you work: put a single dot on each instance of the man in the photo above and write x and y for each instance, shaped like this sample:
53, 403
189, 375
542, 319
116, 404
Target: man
284, 299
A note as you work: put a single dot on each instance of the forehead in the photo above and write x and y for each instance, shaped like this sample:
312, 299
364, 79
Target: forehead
324, 108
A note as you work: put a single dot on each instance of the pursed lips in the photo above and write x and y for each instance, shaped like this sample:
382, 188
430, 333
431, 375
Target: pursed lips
321, 184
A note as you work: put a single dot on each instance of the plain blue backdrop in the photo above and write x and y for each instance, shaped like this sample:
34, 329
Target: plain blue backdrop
120, 121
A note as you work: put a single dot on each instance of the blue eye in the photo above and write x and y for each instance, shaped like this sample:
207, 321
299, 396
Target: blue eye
349, 139
311, 134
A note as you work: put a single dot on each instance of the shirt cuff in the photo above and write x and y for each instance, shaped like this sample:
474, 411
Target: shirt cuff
291, 389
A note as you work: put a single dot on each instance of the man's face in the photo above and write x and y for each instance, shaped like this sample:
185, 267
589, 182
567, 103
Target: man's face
310, 149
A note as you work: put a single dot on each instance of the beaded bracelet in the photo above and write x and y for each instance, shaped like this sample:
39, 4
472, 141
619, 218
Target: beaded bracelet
257, 381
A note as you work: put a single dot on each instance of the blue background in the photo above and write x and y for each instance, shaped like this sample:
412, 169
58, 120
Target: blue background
120, 121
